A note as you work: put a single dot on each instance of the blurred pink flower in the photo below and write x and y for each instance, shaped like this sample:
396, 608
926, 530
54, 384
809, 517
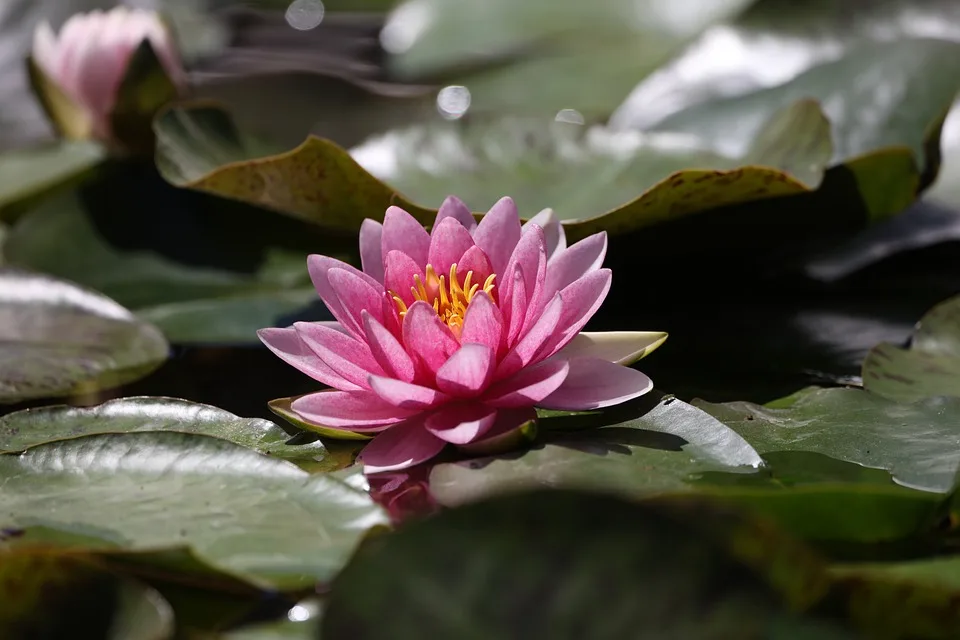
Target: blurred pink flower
88, 59
455, 336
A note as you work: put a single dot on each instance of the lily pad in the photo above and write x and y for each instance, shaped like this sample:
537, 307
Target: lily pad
46, 594
31, 427
282, 408
559, 564
261, 518
917, 443
30, 172
929, 368
57, 339
586, 175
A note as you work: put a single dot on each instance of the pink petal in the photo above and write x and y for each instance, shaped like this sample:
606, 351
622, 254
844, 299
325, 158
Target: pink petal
529, 386
483, 323
468, 371
425, 335
371, 256
348, 357
387, 350
514, 308
356, 294
555, 237
525, 351
580, 259
594, 383
399, 275
319, 268
354, 410
461, 423
402, 232
475, 260
505, 433
406, 395
498, 233
453, 207
581, 299
399, 447
286, 344
448, 242
530, 255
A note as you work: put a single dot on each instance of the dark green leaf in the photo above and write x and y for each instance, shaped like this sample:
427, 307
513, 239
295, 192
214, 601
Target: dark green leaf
916, 443
144, 90
30, 172
261, 518
57, 339
28, 428
930, 367
300, 623
559, 564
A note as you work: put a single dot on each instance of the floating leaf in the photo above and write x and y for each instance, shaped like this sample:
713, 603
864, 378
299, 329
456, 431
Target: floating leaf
556, 564
930, 367
261, 518
916, 443
57, 339
31, 427
301, 622
31, 172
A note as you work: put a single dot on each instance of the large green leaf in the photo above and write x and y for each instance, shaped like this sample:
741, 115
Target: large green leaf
28, 428
916, 442
593, 179
560, 564
535, 56
28, 173
45, 594
261, 518
57, 339
930, 367
123, 235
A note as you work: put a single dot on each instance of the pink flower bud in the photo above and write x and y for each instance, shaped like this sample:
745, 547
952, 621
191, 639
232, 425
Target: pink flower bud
90, 56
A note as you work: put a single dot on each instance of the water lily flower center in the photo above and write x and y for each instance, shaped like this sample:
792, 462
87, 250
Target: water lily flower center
449, 297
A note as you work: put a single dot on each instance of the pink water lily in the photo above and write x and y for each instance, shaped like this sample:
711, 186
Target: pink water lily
456, 336
90, 55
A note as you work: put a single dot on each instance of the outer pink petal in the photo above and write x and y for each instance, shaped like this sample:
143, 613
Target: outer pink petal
498, 233
399, 447
453, 207
483, 323
468, 371
402, 232
528, 387
530, 255
461, 423
553, 232
580, 259
399, 275
348, 357
594, 383
286, 344
448, 242
581, 299
319, 268
356, 294
475, 260
371, 256
524, 352
354, 410
499, 436
514, 307
387, 350
405, 394
426, 336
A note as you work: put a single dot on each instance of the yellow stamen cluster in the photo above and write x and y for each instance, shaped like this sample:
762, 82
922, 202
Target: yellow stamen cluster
449, 298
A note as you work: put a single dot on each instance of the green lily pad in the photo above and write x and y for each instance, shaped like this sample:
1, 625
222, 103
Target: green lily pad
31, 427
916, 443
585, 175
58, 339
930, 367
534, 56
559, 564
632, 449
45, 594
260, 518
302, 622
31, 172
87, 234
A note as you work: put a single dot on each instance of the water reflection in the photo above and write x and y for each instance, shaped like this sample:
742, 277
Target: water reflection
404, 494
